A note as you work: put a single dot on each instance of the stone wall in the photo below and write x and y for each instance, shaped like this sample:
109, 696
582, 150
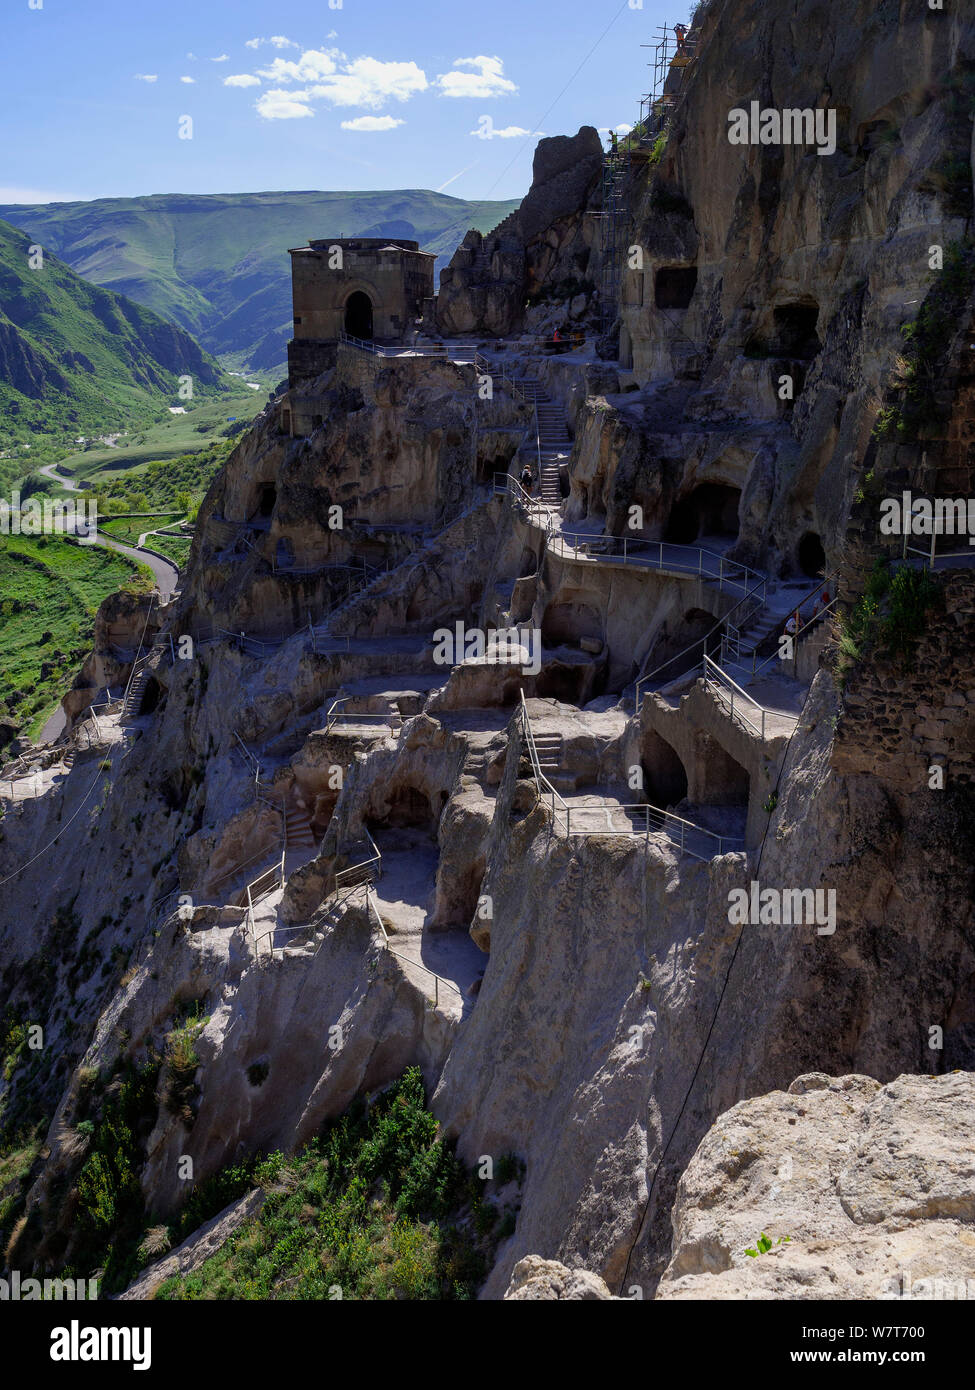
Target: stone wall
901, 718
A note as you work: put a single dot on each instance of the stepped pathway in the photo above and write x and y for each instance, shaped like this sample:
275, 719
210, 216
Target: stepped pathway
404, 896
136, 688
553, 437
549, 749
297, 828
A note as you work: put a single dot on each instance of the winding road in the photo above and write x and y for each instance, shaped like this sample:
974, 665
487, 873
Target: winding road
165, 573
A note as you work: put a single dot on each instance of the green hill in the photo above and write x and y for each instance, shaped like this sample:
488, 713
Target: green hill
78, 359
217, 264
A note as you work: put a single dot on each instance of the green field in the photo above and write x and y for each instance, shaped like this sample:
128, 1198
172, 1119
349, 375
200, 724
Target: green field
49, 593
205, 424
129, 529
177, 548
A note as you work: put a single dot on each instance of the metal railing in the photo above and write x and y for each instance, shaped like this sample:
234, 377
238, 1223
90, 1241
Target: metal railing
641, 819
236, 869
438, 980
717, 680
700, 642
507, 485
337, 716
759, 667
464, 353
664, 555
373, 866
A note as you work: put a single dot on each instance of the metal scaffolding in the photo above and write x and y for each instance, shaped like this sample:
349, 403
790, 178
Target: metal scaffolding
611, 221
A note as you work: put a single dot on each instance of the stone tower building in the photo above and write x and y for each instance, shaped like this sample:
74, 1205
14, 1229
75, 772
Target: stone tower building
369, 287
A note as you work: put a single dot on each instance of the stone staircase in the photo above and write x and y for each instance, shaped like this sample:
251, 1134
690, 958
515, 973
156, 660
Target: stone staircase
738, 662
553, 437
297, 827
136, 688
549, 750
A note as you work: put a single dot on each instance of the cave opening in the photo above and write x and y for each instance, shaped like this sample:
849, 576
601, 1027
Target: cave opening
267, 499
674, 286
710, 510
724, 781
812, 556
664, 776
795, 330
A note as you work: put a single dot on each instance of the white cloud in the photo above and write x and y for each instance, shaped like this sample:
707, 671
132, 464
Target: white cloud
276, 41
312, 66
192, 57
224, 58
147, 77
486, 79
241, 79
278, 105
372, 123
369, 82
487, 130
187, 79
622, 129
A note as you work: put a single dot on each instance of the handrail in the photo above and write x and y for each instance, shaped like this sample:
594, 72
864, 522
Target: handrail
644, 680
405, 350
722, 676
438, 979
817, 617
593, 544
507, 485
647, 810
540, 777
375, 858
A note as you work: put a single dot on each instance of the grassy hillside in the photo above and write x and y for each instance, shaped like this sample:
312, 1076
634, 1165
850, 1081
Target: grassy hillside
218, 264
49, 593
76, 359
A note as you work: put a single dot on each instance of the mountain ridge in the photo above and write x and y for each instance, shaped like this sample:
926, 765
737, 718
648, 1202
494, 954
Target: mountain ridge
215, 263
76, 356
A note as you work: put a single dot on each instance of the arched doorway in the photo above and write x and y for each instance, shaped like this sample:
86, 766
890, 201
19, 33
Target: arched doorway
358, 315
663, 772
812, 556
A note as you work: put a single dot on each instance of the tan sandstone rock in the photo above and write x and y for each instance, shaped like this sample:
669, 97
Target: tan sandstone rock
873, 1185
534, 1278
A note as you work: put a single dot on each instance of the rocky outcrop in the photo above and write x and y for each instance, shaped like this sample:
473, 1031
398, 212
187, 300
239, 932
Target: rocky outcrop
534, 1279
541, 251
864, 1190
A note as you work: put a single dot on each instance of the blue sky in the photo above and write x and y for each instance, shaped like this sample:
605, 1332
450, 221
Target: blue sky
297, 95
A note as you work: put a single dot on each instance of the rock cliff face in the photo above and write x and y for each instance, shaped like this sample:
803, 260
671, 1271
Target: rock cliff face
543, 250
576, 993
864, 1190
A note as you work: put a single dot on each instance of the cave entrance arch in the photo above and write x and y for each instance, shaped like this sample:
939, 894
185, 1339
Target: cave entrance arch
795, 330
266, 500
568, 621
358, 315
812, 556
710, 510
151, 696
724, 782
409, 809
664, 777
